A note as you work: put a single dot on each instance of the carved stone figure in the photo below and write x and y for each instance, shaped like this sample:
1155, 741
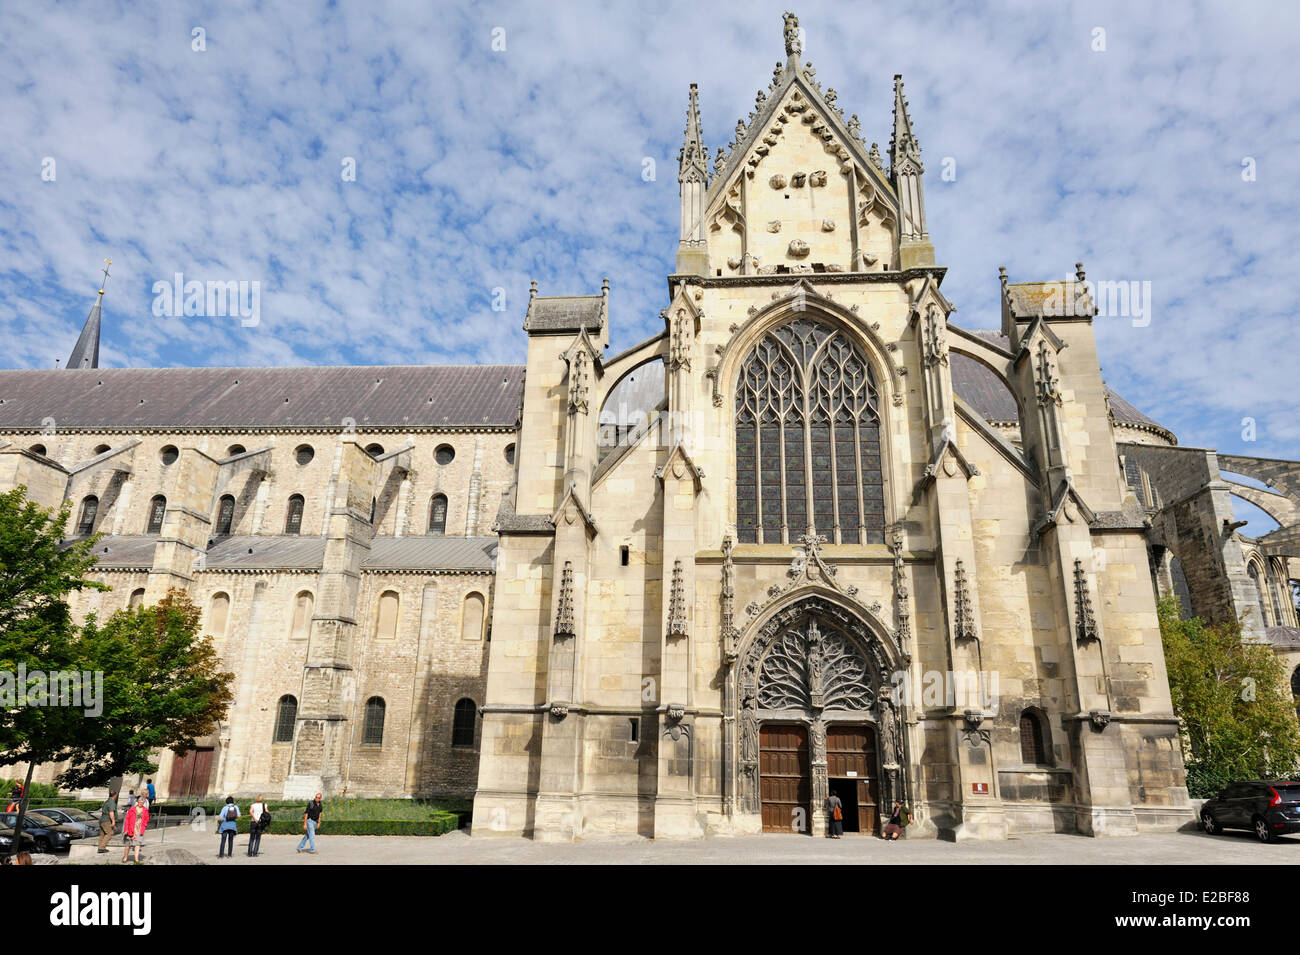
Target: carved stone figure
793, 42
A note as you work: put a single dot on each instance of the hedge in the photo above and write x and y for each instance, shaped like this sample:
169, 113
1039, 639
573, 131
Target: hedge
283, 824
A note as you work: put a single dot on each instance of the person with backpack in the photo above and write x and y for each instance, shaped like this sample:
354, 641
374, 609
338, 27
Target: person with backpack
261, 820
228, 827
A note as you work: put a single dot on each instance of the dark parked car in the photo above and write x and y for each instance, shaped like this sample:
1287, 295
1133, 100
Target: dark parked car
7, 841
47, 834
78, 819
1267, 808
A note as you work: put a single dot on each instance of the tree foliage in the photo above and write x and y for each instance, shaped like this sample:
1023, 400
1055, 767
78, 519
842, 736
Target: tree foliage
161, 682
37, 572
1233, 701
163, 686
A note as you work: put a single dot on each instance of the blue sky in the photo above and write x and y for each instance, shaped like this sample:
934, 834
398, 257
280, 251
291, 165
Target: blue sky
480, 169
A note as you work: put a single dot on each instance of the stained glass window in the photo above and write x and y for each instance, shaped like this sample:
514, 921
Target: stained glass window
807, 418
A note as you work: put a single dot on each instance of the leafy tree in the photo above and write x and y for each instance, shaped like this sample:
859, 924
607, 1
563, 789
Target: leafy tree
161, 683
37, 572
1233, 701
162, 688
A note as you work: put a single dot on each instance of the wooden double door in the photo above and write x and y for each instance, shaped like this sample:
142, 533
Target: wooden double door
191, 773
785, 776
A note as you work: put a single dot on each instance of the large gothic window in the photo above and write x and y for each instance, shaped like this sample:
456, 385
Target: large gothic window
808, 439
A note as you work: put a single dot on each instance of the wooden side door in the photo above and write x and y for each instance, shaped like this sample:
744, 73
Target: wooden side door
190, 774
851, 753
785, 786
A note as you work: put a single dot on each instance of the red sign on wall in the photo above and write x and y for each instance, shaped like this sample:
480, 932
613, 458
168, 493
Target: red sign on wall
979, 789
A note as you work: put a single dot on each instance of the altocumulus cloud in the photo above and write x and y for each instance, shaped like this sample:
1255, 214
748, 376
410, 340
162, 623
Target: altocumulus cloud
479, 168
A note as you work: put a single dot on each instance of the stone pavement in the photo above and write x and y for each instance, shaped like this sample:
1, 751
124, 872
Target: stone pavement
458, 848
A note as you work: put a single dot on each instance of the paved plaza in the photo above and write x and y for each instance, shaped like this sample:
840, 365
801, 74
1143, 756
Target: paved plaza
459, 848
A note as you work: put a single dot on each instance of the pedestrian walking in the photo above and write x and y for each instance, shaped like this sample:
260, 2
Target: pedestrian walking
130, 799
836, 806
311, 820
131, 829
149, 786
107, 821
228, 828
260, 819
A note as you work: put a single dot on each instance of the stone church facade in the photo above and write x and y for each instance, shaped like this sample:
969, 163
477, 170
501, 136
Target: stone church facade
814, 537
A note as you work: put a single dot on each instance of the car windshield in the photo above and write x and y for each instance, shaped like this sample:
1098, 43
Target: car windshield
80, 815
42, 819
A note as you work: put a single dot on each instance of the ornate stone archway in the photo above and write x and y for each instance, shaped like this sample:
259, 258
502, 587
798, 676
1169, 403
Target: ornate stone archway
815, 662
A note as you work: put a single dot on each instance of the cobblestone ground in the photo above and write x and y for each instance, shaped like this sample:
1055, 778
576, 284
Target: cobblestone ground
1178, 848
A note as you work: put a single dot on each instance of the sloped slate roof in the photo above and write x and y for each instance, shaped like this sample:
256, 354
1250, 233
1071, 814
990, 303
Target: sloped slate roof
373, 396
984, 391
1283, 637
295, 552
565, 313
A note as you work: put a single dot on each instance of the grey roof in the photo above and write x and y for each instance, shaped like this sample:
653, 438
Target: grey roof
565, 313
1288, 637
373, 396
125, 552
984, 391
294, 552
85, 354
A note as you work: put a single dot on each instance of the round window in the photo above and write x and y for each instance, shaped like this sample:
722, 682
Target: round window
235, 449
444, 454
169, 454
374, 450
102, 449
304, 454
37, 449
510, 454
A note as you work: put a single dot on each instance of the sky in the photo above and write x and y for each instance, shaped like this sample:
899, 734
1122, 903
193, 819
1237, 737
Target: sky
501, 142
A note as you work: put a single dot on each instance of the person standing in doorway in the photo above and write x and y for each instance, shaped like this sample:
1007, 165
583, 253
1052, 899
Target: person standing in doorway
228, 828
836, 807
107, 820
311, 820
257, 812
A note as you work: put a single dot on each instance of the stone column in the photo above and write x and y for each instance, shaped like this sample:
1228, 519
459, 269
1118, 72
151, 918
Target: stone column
329, 684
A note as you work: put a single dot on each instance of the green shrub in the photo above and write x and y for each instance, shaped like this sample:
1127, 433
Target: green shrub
285, 824
37, 790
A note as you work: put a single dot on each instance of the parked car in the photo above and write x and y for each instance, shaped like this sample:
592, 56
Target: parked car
77, 818
47, 834
7, 840
1269, 808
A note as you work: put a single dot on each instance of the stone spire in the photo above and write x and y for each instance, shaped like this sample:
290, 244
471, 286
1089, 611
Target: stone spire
905, 169
693, 181
85, 354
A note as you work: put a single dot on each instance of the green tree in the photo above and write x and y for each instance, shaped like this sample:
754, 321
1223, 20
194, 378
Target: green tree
159, 680
163, 686
1233, 701
37, 635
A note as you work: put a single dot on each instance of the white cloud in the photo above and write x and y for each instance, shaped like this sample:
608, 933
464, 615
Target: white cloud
479, 169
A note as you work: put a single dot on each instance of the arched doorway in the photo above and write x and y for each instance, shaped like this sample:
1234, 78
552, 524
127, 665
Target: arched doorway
816, 717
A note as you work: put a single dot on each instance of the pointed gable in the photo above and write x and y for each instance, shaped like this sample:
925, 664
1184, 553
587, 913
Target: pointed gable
799, 191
